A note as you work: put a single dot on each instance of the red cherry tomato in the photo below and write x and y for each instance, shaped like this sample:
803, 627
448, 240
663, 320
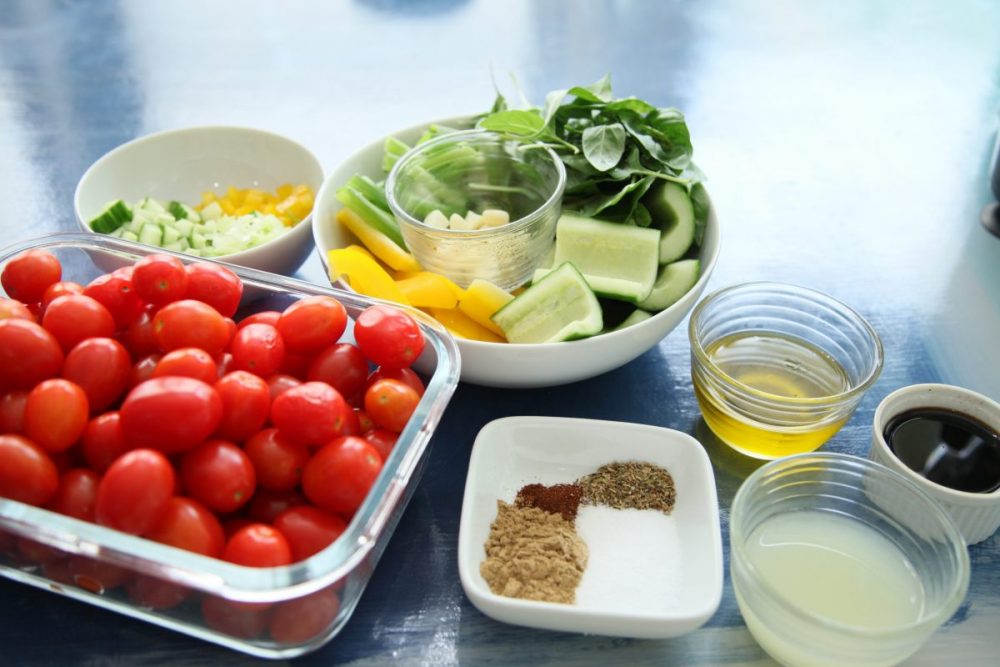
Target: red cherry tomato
104, 441
12, 411
215, 285
259, 349
280, 383
258, 545
365, 423
27, 474
309, 530
297, 621
75, 317
388, 336
56, 414
102, 367
192, 362
244, 620
342, 366
143, 369
246, 403
135, 491
115, 292
171, 414
312, 323
404, 375
187, 524
267, 505
382, 440
310, 414
159, 279
153, 593
296, 365
219, 474
390, 403
26, 276
96, 576
77, 494
61, 288
9, 308
28, 354
263, 317
139, 336
339, 476
190, 323
277, 460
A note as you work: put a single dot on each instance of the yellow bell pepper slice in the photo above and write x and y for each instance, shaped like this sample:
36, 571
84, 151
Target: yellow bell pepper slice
381, 245
481, 299
364, 274
461, 325
430, 290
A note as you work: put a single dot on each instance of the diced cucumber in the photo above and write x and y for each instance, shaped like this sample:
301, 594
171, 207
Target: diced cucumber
114, 215
674, 281
198, 241
117, 233
192, 214
185, 227
194, 252
560, 306
673, 213
152, 206
164, 219
638, 315
618, 261
130, 236
211, 212
151, 233
170, 235
176, 209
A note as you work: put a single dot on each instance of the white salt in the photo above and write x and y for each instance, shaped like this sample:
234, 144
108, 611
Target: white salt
635, 560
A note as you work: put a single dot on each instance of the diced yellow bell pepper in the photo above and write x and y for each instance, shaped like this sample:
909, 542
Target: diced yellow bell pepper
378, 243
285, 190
364, 274
254, 199
430, 290
481, 299
461, 325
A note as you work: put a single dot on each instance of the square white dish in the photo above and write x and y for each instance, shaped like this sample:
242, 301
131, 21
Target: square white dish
661, 594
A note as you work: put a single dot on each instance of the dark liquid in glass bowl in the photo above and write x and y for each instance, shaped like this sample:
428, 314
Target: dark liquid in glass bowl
948, 448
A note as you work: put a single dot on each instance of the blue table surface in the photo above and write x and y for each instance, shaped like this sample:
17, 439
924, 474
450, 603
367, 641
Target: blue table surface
847, 146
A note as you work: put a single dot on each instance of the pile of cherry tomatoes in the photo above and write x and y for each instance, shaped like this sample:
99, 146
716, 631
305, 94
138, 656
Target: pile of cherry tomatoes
138, 402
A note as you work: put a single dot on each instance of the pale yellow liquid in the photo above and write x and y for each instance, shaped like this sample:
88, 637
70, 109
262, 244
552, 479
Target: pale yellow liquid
774, 365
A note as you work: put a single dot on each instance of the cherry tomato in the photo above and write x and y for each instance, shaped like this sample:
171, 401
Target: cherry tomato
225, 364
310, 414
390, 403
296, 365
312, 323
404, 375
299, 620
75, 317
309, 530
154, 593
279, 383
159, 279
77, 494
388, 336
104, 441
115, 292
246, 403
267, 505
27, 474
258, 545
219, 474
171, 414
28, 354
26, 276
244, 620
230, 526
231, 327
102, 368
190, 323
263, 317
192, 362
339, 476
215, 285
259, 349
187, 524
143, 369
342, 366
33, 551
95, 575
12, 411
61, 288
382, 440
365, 423
277, 460
9, 308
139, 336
55, 414
135, 491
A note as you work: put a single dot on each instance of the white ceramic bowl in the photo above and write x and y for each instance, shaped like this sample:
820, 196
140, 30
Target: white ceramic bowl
520, 365
630, 592
181, 164
976, 514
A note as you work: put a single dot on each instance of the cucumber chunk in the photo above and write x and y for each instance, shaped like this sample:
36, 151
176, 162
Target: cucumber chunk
618, 261
560, 306
638, 315
673, 212
674, 281
114, 215
176, 209
151, 233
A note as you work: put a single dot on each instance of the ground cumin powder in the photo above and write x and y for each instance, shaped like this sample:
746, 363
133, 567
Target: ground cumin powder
533, 555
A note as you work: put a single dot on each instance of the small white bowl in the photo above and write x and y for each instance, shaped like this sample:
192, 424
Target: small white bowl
181, 164
977, 515
680, 590
505, 364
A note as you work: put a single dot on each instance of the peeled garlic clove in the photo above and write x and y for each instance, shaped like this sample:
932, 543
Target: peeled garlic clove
494, 218
436, 219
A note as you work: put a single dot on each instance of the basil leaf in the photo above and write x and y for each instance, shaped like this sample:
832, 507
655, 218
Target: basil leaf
517, 121
552, 102
641, 216
599, 91
594, 204
631, 104
604, 145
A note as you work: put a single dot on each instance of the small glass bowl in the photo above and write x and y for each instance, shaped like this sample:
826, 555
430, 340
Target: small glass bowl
870, 497
475, 170
777, 368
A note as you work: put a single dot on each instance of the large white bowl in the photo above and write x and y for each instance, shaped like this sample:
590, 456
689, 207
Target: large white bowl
181, 164
517, 365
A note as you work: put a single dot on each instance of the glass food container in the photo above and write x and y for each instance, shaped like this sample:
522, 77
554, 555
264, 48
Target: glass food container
278, 612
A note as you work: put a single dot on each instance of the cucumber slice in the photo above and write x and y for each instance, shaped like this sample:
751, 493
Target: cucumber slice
114, 215
638, 315
151, 233
674, 281
559, 307
673, 212
176, 209
619, 261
